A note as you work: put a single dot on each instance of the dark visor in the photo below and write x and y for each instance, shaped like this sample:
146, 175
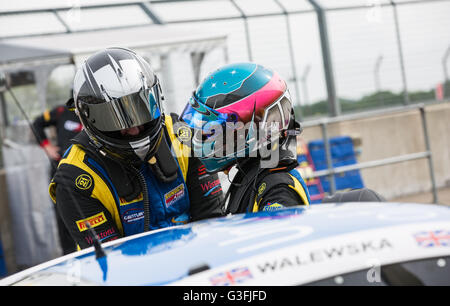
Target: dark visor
126, 112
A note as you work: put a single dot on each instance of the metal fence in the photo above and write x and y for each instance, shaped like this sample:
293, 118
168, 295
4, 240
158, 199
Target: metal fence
331, 171
337, 56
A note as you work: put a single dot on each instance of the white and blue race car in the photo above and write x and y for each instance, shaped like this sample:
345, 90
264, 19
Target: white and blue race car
360, 243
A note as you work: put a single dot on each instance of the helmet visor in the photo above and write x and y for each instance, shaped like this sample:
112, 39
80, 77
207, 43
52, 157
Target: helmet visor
279, 112
201, 117
126, 112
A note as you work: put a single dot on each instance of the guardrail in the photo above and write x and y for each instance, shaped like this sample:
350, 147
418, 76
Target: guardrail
331, 171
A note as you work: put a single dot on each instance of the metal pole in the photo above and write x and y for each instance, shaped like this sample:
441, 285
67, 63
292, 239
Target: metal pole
3, 114
226, 55
430, 157
400, 54
3, 120
444, 65
149, 12
334, 106
291, 53
370, 164
377, 78
329, 159
247, 32
303, 79
196, 61
65, 25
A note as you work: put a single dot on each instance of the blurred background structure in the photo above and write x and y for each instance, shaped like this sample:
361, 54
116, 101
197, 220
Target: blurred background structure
374, 71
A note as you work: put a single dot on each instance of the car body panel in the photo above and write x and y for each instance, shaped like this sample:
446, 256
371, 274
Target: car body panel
284, 247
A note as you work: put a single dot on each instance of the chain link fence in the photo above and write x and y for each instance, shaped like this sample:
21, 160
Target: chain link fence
337, 56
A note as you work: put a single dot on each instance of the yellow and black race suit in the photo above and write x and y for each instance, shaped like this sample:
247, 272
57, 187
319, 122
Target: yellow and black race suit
254, 189
109, 196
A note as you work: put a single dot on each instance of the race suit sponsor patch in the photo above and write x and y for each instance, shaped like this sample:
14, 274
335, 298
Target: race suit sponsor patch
94, 221
124, 202
174, 195
211, 187
73, 126
133, 215
261, 188
181, 219
272, 206
83, 181
201, 170
109, 234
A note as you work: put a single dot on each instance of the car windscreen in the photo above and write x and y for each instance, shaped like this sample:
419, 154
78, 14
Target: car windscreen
426, 272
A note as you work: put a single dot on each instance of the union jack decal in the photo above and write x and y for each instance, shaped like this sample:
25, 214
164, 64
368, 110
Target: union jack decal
232, 277
429, 239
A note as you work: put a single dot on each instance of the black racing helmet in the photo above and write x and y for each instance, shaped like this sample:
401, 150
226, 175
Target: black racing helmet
115, 89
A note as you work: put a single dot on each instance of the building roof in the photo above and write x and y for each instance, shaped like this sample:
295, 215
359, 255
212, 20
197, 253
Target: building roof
17, 56
156, 39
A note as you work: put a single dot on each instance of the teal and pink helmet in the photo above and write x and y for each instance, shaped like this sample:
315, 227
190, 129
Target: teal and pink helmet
244, 93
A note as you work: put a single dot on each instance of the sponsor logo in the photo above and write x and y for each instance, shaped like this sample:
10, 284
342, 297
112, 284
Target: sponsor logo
261, 188
93, 221
109, 234
272, 206
106, 234
184, 134
232, 277
83, 181
429, 239
201, 170
211, 187
73, 126
133, 215
323, 255
174, 195
124, 202
182, 219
